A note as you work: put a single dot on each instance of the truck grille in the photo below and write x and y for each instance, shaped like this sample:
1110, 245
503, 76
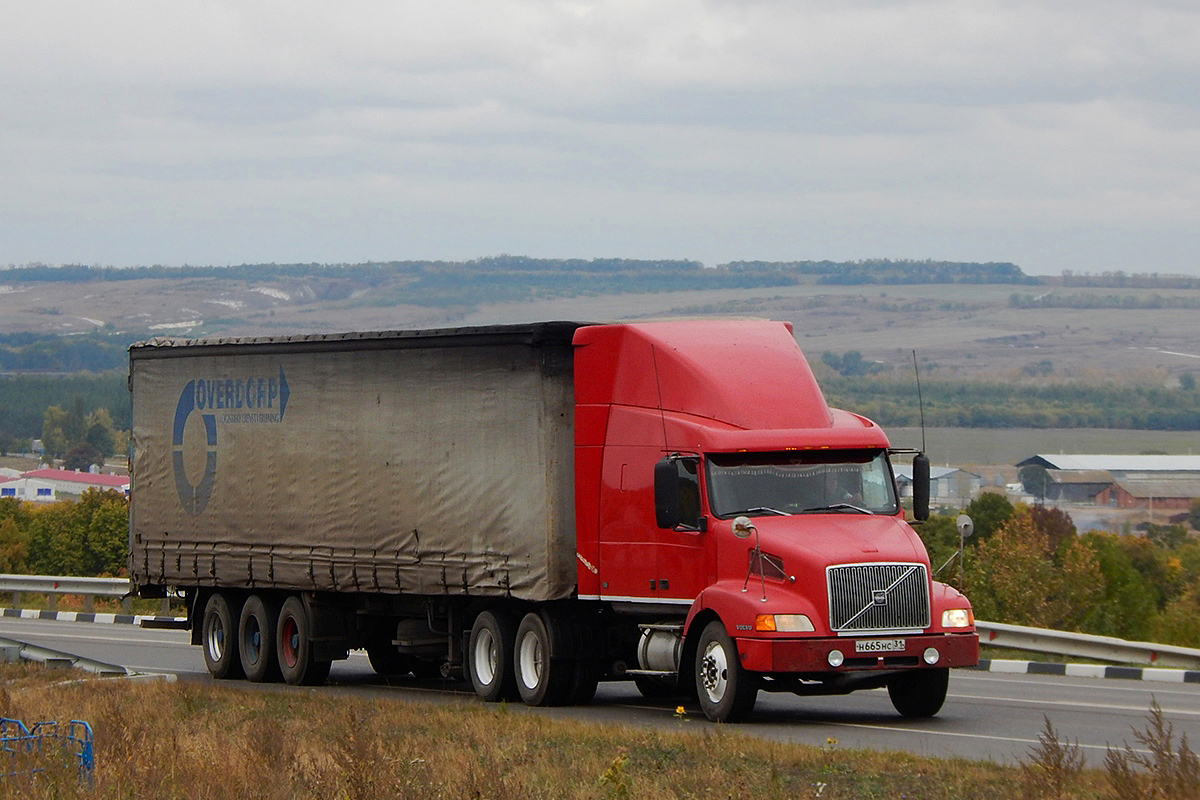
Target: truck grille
878, 597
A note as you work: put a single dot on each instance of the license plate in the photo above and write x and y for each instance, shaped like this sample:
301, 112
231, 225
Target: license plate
879, 646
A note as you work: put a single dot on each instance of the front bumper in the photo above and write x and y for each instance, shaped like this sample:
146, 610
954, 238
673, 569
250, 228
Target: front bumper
791, 655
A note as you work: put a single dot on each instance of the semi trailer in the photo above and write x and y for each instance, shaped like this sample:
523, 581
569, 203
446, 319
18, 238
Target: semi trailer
536, 508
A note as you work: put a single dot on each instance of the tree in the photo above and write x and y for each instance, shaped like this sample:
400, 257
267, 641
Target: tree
1056, 525
989, 511
1187, 382
1129, 604
14, 546
1194, 515
1015, 578
82, 456
54, 431
1168, 537
1035, 479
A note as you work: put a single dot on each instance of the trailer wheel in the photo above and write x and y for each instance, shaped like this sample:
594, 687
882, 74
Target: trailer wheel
256, 640
490, 656
218, 634
293, 643
541, 680
919, 693
727, 692
386, 659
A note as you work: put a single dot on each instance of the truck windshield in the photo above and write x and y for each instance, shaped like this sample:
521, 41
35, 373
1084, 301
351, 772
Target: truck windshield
813, 482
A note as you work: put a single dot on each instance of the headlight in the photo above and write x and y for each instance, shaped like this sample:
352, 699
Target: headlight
958, 618
786, 623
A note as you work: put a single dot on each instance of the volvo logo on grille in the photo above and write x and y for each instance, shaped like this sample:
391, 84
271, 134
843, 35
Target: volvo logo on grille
879, 597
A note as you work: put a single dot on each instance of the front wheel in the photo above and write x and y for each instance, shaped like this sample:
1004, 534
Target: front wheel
727, 691
919, 693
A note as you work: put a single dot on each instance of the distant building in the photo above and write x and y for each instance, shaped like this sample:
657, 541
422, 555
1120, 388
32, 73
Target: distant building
45, 485
1116, 481
947, 485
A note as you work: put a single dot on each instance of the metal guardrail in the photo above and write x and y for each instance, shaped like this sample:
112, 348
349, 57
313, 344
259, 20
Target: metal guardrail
1038, 640
1084, 645
52, 586
13, 651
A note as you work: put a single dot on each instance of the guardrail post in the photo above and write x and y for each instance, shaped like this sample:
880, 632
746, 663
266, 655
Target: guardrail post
53, 602
127, 604
16, 599
88, 603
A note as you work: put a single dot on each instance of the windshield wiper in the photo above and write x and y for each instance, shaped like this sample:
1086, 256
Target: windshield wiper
759, 510
837, 507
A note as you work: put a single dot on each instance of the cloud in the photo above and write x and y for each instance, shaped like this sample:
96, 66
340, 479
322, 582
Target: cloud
140, 132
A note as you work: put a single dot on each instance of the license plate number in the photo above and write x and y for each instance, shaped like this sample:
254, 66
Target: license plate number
879, 646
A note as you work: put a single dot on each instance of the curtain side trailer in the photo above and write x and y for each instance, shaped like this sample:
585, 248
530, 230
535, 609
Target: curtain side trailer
536, 508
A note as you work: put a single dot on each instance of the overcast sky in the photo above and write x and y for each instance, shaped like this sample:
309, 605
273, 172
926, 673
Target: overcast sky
1056, 134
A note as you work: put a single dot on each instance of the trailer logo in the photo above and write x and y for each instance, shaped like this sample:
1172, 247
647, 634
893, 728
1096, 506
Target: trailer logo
241, 400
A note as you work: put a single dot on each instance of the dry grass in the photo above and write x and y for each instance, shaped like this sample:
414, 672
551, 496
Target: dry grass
185, 740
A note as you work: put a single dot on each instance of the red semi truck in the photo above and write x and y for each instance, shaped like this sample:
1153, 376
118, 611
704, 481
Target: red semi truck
536, 508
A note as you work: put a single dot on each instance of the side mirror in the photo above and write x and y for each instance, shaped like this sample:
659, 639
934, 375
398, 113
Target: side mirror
920, 487
667, 513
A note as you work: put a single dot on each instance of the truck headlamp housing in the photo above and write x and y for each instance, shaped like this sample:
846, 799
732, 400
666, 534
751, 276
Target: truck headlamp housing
784, 623
958, 618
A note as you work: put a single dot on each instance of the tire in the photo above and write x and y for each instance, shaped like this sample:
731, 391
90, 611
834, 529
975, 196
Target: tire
584, 683
490, 657
656, 688
218, 635
727, 692
256, 640
542, 680
387, 660
293, 643
920, 693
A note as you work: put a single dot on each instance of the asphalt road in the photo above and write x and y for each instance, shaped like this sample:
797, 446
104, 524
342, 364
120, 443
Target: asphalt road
987, 716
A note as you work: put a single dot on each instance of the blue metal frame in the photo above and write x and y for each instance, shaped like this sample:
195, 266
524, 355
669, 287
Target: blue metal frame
16, 739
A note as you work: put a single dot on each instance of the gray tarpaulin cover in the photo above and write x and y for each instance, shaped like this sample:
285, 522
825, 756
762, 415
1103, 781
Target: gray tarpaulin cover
436, 463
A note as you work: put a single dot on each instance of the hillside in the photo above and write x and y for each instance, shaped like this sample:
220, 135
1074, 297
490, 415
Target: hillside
964, 321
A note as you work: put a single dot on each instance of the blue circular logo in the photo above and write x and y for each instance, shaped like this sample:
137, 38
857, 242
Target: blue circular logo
194, 497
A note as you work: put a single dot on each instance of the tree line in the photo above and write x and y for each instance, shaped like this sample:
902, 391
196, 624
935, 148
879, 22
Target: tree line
1028, 565
892, 401
86, 538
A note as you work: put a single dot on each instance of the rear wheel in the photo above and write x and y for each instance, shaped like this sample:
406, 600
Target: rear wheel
919, 693
256, 640
387, 660
541, 679
293, 643
726, 691
218, 634
490, 656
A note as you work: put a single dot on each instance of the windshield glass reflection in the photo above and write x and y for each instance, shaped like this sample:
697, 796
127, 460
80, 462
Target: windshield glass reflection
825, 481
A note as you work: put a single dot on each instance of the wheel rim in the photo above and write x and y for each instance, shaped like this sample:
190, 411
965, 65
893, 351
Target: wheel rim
532, 660
215, 641
290, 640
253, 640
714, 672
485, 657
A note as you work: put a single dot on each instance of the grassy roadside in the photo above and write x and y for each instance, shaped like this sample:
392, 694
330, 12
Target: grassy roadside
193, 741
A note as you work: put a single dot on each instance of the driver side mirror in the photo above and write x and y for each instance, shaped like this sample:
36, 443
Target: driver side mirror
667, 511
920, 487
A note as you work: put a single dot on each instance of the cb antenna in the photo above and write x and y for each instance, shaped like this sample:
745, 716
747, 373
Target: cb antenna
920, 401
